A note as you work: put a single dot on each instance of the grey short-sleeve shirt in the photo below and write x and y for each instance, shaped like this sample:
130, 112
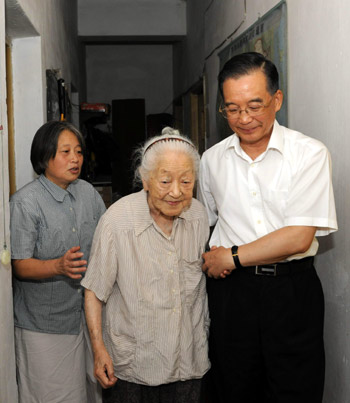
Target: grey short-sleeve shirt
46, 221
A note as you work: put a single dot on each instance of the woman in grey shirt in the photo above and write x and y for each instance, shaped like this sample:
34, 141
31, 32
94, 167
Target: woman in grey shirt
53, 219
145, 269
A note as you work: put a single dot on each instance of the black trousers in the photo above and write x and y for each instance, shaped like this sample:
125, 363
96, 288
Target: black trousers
266, 338
176, 392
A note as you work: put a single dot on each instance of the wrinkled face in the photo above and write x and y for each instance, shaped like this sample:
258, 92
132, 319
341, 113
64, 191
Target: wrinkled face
250, 90
170, 185
65, 167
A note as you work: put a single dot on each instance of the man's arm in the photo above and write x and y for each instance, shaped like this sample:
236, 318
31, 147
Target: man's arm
103, 365
271, 248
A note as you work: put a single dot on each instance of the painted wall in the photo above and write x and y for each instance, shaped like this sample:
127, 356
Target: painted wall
132, 18
52, 44
144, 70
189, 54
319, 83
42, 35
8, 389
131, 71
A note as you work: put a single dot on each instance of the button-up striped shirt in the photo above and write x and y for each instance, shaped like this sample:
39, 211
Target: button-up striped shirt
156, 316
46, 221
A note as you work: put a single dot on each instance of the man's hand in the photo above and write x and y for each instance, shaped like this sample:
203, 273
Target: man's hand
218, 262
103, 368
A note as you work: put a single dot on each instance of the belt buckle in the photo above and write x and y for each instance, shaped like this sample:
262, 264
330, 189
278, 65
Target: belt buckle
268, 270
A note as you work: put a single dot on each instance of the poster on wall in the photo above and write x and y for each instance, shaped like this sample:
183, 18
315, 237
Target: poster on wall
268, 35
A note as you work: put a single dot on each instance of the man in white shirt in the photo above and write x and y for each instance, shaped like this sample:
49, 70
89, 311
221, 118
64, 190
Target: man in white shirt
268, 191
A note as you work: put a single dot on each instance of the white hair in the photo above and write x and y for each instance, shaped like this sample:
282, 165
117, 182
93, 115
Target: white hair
170, 140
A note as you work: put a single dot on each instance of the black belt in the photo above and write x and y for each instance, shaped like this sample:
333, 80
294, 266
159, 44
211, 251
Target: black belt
280, 269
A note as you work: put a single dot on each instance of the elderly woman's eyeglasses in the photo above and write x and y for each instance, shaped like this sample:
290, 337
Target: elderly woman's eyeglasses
254, 109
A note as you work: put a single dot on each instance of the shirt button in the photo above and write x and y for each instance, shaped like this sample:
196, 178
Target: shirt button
259, 221
171, 271
254, 193
70, 208
169, 253
73, 229
79, 290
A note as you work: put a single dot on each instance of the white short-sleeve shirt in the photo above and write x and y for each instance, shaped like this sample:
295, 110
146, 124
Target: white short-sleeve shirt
289, 184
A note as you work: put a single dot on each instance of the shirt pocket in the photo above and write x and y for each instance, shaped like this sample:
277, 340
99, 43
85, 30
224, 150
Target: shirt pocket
276, 202
51, 244
194, 279
122, 350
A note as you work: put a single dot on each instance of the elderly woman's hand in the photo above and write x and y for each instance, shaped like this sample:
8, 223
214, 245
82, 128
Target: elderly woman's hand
70, 264
103, 368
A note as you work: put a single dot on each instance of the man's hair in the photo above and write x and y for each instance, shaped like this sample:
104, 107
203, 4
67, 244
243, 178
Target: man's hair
44, 145
246, 63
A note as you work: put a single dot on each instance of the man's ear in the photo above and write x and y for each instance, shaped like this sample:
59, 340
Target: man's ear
278, 100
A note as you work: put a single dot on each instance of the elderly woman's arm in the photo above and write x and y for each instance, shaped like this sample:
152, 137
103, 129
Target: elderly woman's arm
35, 269
103, 365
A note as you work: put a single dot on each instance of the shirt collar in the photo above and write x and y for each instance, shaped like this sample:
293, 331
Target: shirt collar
57, 192
275, 142
143, 218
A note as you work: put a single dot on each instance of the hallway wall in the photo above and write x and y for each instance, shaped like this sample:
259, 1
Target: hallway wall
319, 83
51, 44
129, 49
131, 71
153, 18
8, 389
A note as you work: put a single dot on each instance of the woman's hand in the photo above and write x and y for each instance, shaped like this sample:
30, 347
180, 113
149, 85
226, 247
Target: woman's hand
70, 264
103, 365
103, 368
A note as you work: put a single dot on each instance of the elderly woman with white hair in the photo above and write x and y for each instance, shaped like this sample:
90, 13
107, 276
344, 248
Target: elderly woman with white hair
145, 271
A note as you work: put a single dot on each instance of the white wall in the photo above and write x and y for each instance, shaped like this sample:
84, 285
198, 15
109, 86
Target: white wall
189, 54
319, 85
8, 389
132, 17
56, 23
43, 35
131, 71
52, 44
143, 70
28, 102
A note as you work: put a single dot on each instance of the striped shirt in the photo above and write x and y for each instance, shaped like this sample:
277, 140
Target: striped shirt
156, 319
46, 221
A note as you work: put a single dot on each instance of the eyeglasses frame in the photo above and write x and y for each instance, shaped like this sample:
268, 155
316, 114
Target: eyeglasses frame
264, 106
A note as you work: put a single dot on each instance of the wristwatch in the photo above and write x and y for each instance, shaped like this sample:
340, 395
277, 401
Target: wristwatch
234, 251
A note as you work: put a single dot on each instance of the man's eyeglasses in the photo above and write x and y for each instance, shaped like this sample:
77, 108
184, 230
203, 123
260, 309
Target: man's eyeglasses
254, 109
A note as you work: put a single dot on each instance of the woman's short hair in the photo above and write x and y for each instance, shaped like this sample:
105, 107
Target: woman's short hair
170, 140
44, 145
245, 63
